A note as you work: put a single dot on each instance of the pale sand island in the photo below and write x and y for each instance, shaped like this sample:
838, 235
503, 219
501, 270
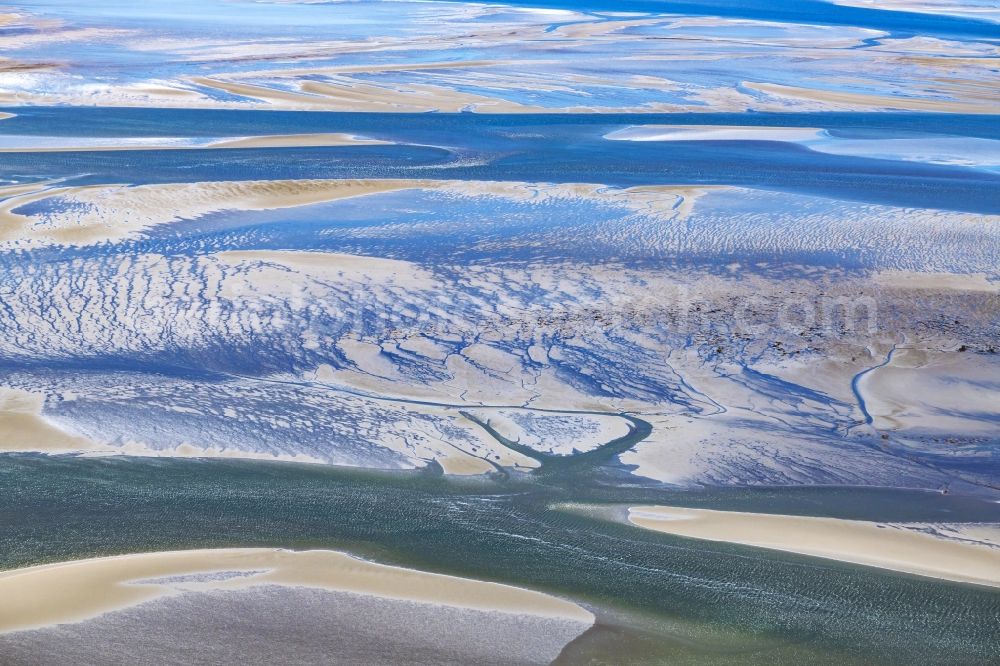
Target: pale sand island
55, 144
270, 606
713, 133
75, 591
892, 547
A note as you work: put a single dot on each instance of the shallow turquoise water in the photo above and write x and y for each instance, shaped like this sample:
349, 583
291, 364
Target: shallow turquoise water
657, 597
134, 339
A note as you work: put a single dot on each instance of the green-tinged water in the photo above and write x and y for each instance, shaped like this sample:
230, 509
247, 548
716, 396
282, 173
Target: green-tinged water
658, 598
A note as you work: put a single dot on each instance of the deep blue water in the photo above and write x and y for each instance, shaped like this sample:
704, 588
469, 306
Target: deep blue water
561, 148
136, 122
899, 23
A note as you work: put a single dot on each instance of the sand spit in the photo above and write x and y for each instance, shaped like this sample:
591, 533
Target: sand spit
17, 144
14, 226
298, 141
899, 548
74, 591
261, 194
112, 212
23, 428
261, 93
713, 133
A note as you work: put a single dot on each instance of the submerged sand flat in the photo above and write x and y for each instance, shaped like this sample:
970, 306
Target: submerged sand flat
52, 594
844, 100
272, 624
465, 57
113, 212
98, 213
854, 541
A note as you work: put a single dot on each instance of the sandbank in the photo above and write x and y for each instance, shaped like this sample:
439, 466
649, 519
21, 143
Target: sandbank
983, 10
23, 428
73, 591
713, 133
111, 212
854, 541
18, 144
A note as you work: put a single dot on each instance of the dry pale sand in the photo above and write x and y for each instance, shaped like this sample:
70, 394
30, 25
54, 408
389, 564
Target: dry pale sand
985, 11
262, 93
464, 464
50, 594
854, 541
713, 133
297, 140
14, 226
22, 427
111, 212
850, 99
201, 198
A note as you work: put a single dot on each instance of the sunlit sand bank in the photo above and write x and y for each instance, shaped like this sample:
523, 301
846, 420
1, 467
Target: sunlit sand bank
112, 212
75, 591
858, 542
985, 10
965, 151
713, 133
33, 144
22, 426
